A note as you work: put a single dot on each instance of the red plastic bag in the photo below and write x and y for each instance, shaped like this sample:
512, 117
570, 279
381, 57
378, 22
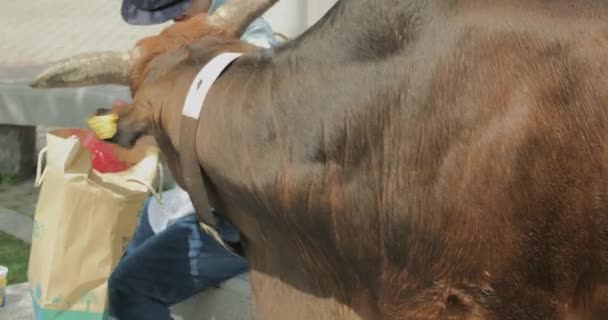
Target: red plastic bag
103, 155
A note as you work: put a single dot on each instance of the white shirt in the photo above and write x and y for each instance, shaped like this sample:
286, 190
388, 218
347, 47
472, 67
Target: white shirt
176, 204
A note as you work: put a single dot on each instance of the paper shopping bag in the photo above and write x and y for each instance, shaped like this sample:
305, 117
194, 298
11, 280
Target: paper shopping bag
83, 222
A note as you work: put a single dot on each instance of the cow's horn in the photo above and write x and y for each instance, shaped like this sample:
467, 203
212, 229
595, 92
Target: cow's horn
111, 67
236, 15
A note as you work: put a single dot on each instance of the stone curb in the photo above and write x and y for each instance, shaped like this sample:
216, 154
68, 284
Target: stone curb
15, 224
18, 303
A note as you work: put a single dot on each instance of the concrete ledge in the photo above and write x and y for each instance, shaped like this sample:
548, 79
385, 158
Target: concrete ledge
18, 303
17, 155
230, 302
22, 105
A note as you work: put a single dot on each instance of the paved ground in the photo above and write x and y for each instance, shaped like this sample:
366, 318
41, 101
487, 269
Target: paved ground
36, 32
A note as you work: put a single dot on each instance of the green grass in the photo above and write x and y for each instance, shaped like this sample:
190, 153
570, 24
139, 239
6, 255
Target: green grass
8, 180
14, 254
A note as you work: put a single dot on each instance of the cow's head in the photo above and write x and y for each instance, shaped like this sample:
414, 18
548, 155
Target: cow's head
154, 59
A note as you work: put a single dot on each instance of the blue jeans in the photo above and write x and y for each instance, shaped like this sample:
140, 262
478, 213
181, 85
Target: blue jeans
159, 270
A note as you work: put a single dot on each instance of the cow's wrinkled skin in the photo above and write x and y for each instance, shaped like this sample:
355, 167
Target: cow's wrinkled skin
410, 159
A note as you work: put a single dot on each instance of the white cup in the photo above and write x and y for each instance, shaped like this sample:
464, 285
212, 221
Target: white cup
3, 282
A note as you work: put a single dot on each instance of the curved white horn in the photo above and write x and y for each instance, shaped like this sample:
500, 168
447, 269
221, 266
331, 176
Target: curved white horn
236, 15
109, 67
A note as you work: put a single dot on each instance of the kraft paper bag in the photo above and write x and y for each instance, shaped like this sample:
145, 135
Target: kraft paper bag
83, 223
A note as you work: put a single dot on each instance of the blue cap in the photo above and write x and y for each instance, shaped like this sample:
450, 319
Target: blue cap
146, 12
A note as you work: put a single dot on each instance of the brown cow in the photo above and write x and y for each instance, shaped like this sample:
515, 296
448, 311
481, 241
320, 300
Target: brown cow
436, 159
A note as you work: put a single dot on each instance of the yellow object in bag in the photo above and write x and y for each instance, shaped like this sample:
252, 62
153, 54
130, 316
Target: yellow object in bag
104, 126
84, 221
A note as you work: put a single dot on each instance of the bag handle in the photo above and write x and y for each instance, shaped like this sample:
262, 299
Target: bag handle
161, 181
40, 174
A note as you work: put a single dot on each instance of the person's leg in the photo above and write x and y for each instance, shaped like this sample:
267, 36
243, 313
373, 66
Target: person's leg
168, 268
214, 263
143, 231
121, 301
